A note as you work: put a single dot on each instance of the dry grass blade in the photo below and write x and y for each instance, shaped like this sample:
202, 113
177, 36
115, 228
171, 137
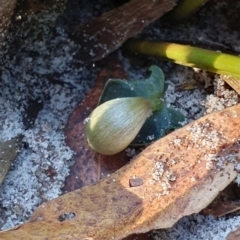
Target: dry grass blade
233, 82
107, 33
179, 174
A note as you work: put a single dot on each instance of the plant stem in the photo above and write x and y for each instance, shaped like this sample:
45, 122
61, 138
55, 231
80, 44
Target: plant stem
184, 9
186, 55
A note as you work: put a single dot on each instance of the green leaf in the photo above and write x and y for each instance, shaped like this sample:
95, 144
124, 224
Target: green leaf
158, 125
163, 119
152, 88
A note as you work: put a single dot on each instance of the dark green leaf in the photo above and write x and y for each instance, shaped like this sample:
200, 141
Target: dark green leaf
152, 88
158, 125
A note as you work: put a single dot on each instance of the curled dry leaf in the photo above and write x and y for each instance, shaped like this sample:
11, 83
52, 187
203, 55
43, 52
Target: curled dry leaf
181, 174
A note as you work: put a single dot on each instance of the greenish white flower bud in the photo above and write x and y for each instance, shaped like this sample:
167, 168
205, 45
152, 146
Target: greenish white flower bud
113, 125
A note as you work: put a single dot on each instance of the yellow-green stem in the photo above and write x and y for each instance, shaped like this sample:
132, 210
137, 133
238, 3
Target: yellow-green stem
185, 9
186, 55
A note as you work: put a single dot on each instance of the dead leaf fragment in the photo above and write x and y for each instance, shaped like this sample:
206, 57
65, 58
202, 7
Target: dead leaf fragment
88, 170
141, 236
233, 82
182, 173
234, 235
103, 35
223, 208
8, 153
226, 202
90, 166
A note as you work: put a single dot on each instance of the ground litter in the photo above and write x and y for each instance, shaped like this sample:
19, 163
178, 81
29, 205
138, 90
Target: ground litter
37, 65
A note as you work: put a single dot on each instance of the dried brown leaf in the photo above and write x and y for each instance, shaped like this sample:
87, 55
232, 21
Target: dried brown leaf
104, 34
226, 202
182, 173
233, 82
234, 235
98, 166
141, 236
223, 208
90, 166
8, 153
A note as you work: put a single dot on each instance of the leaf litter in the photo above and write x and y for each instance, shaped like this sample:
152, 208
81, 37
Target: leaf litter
22, 193
110, 209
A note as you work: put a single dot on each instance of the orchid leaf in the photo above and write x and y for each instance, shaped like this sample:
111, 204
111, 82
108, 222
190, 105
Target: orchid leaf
158, 125
152, 88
